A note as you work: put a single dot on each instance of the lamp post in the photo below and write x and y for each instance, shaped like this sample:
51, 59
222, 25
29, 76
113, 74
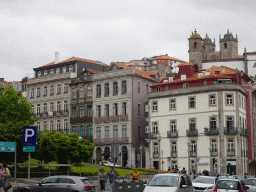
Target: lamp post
121, 159
140, 156
162, 159
189, 145
159, 150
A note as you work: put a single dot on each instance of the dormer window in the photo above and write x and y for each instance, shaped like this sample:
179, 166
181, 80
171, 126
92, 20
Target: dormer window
64, 70
39, 74
58, 70
45, 72
71, 68
52, 71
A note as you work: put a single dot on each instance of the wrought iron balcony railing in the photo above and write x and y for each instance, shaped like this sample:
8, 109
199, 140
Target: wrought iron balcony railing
230, 130
231, 152
155, 155
104, 141
172, 134
211, 131
192, 133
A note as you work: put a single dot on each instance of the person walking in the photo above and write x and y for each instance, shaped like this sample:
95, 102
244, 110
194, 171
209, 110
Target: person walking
1, 181
102, 179
111, 178
5, 174
136, 175
183, 171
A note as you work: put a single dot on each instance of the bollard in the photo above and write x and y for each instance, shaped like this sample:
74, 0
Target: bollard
135, 186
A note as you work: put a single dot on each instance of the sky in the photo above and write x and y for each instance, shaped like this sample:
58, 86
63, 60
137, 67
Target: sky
31, 31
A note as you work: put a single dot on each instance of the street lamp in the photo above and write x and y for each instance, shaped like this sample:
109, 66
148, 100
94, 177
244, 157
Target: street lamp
140, 156
189, 145
159, 140
162, 159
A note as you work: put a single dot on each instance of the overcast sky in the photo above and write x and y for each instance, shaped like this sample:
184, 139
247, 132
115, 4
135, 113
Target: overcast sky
31, 31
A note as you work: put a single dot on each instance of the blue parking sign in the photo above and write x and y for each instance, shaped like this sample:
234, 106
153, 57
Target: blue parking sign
29, 136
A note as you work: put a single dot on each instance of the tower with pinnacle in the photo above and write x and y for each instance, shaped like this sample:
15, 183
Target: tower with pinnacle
228, 46
195, 49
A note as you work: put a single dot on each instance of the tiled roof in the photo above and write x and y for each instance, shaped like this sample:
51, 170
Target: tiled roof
73, 59
186, 63
5, 85
152, 72
138, 72
93, 71
235, 58
168, 57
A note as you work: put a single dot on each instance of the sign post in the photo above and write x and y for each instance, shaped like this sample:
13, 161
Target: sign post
9, 147
29, 142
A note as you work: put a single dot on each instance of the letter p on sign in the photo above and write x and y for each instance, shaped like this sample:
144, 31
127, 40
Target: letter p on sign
29, 136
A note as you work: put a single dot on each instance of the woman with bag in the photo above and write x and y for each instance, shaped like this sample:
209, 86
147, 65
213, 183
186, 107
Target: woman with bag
6, 177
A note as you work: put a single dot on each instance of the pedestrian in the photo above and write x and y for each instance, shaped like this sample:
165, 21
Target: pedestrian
183, 171
93, 161
111, 178
136, 175
180, 169
169, 169
5, 174
102, 179
1, 181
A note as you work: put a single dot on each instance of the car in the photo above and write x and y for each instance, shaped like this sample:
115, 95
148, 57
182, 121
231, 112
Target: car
169, 182
204, 183
227, 176
241, 177
64, 183
129, 166
251, 183
229, 184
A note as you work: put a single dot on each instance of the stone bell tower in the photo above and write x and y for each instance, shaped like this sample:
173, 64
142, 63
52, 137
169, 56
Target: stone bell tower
195, 49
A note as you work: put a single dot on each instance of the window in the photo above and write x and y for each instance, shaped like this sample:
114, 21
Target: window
205, 82
124, 130
124, 108
64, 70
58, 107
155, 128
89, 91
138, 88
225, 46
115, 131
45, 107
98, 111
106, 89
45, 126
115, 109
51, 125
107, 110
45, 90
74, 129
213, 123
230, 145
98, 91
45, 72
139, 132
70, 68
195, 45
244, 106
185, 85
212, 100
81, 92
58, 125
81, 132
193, 146
230, 122
192, 124
81, 111
52, 71
65, 88
89, 110
65, 106
58, 88
74, 93
139, 110
51, 106
107, 132
38, 126
147, 89
155, 148
172, 104
174, 147
32, 109
124, 87
192, 102
38, 109
38, 92
32, 93
52, 90
229, 99
214, 145
73, 111
65, 125
173, 126
39, 74
158, 88
115, 88
155, 107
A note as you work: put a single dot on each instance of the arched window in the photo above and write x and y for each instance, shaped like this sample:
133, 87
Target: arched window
225, 46
195, 45
52, 71
58, 70
71, 68
39, 74
45, 72
64, 70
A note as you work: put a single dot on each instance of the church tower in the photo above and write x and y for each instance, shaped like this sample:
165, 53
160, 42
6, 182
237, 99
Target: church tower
228, 46
195, 49
208, 47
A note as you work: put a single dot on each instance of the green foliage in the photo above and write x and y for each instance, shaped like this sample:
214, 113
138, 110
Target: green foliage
53, 146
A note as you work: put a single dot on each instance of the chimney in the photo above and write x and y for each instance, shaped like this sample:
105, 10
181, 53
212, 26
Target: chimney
200, 74
56, 57
223, 69
183, 77
165, 80
170, 79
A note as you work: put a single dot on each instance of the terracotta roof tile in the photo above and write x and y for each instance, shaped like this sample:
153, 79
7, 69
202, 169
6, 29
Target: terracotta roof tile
168, 57
93, 71
5, 85
186, 63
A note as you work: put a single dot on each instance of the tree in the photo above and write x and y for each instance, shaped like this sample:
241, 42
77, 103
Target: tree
15, 113
53, 146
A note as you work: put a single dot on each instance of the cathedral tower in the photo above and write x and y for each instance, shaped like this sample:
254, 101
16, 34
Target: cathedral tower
208, 48
195, 49
228, 46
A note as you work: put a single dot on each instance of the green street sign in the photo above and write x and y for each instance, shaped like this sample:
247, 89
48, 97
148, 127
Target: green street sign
7, 146
29, 149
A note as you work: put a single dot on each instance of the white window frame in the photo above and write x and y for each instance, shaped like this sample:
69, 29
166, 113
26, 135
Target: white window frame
172, 103
154, 106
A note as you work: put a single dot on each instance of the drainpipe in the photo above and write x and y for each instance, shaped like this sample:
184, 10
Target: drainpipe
237, 80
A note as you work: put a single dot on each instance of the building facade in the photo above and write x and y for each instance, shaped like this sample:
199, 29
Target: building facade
201, 118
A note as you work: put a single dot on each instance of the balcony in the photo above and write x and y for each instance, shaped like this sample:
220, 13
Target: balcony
214, 153
44, 114
65, 131
65, 112
88, 119
146, 135
106, 119
153, 135
104, 141
123, 117
192, 133
230, 130
244, 132
231, 152
97, 120
114, 118
192, 153
211, 131
58, 113
174, 154
172, 134
89, 138
38, 115
155, 155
